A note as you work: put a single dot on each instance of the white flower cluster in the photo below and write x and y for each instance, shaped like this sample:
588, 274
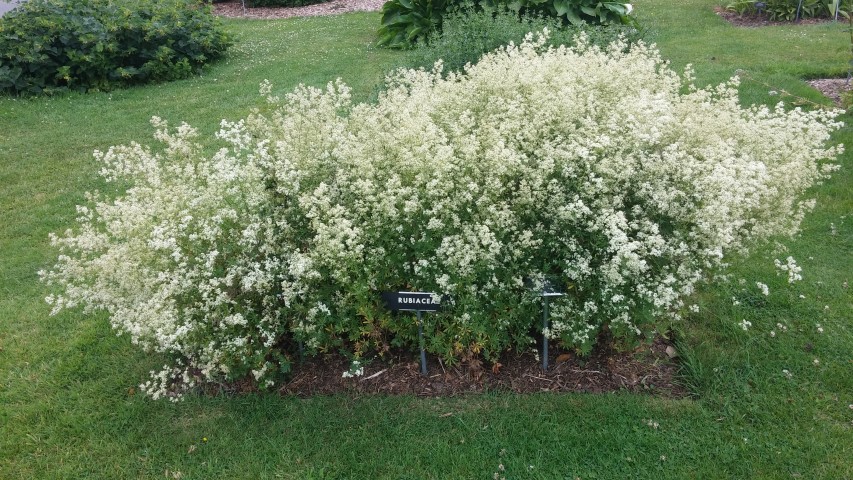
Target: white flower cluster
182, 261
791, 268
356, 369
584, 164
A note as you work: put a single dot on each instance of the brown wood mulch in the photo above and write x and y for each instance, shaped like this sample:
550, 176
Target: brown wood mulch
832, 88
649, 369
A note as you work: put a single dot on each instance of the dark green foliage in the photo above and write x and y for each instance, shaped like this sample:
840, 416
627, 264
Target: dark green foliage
282, 3
575, 12
790, 10
467, 34
54, 45
406, 22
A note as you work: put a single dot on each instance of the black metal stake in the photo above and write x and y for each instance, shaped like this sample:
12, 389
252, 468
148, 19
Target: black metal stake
545, 335
421, 341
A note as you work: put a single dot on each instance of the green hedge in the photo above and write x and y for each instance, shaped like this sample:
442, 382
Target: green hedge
53, 45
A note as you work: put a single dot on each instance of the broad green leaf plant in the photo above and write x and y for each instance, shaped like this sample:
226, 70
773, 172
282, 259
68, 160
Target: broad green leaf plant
406, 22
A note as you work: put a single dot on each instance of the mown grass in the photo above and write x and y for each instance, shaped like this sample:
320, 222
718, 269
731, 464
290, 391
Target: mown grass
68, 408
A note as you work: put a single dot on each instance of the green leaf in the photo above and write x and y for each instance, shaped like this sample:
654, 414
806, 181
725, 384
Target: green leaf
414, 33
514, 5
563, 7
391, 18
390, 6
618, 8
574, 18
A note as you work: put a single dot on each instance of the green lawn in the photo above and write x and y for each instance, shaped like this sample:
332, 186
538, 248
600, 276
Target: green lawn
68, 408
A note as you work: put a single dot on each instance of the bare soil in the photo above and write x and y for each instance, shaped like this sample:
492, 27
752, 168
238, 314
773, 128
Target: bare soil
648, 369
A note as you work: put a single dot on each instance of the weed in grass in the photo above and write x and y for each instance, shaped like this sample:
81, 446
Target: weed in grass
692, 374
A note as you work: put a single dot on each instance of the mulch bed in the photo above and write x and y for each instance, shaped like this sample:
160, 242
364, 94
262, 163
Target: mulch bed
235, 9
832, 88
755, 20
648, 369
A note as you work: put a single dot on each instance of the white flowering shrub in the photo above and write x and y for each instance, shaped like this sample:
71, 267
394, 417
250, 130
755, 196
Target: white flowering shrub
180, 261
600, 168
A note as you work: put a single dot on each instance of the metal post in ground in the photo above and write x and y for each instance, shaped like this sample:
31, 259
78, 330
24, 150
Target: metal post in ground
421, 341
545, 335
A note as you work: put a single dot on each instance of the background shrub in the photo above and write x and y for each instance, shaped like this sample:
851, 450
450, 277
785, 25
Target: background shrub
789, 10
469, 33
600, 169
407, 22
53, 45
576, 12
